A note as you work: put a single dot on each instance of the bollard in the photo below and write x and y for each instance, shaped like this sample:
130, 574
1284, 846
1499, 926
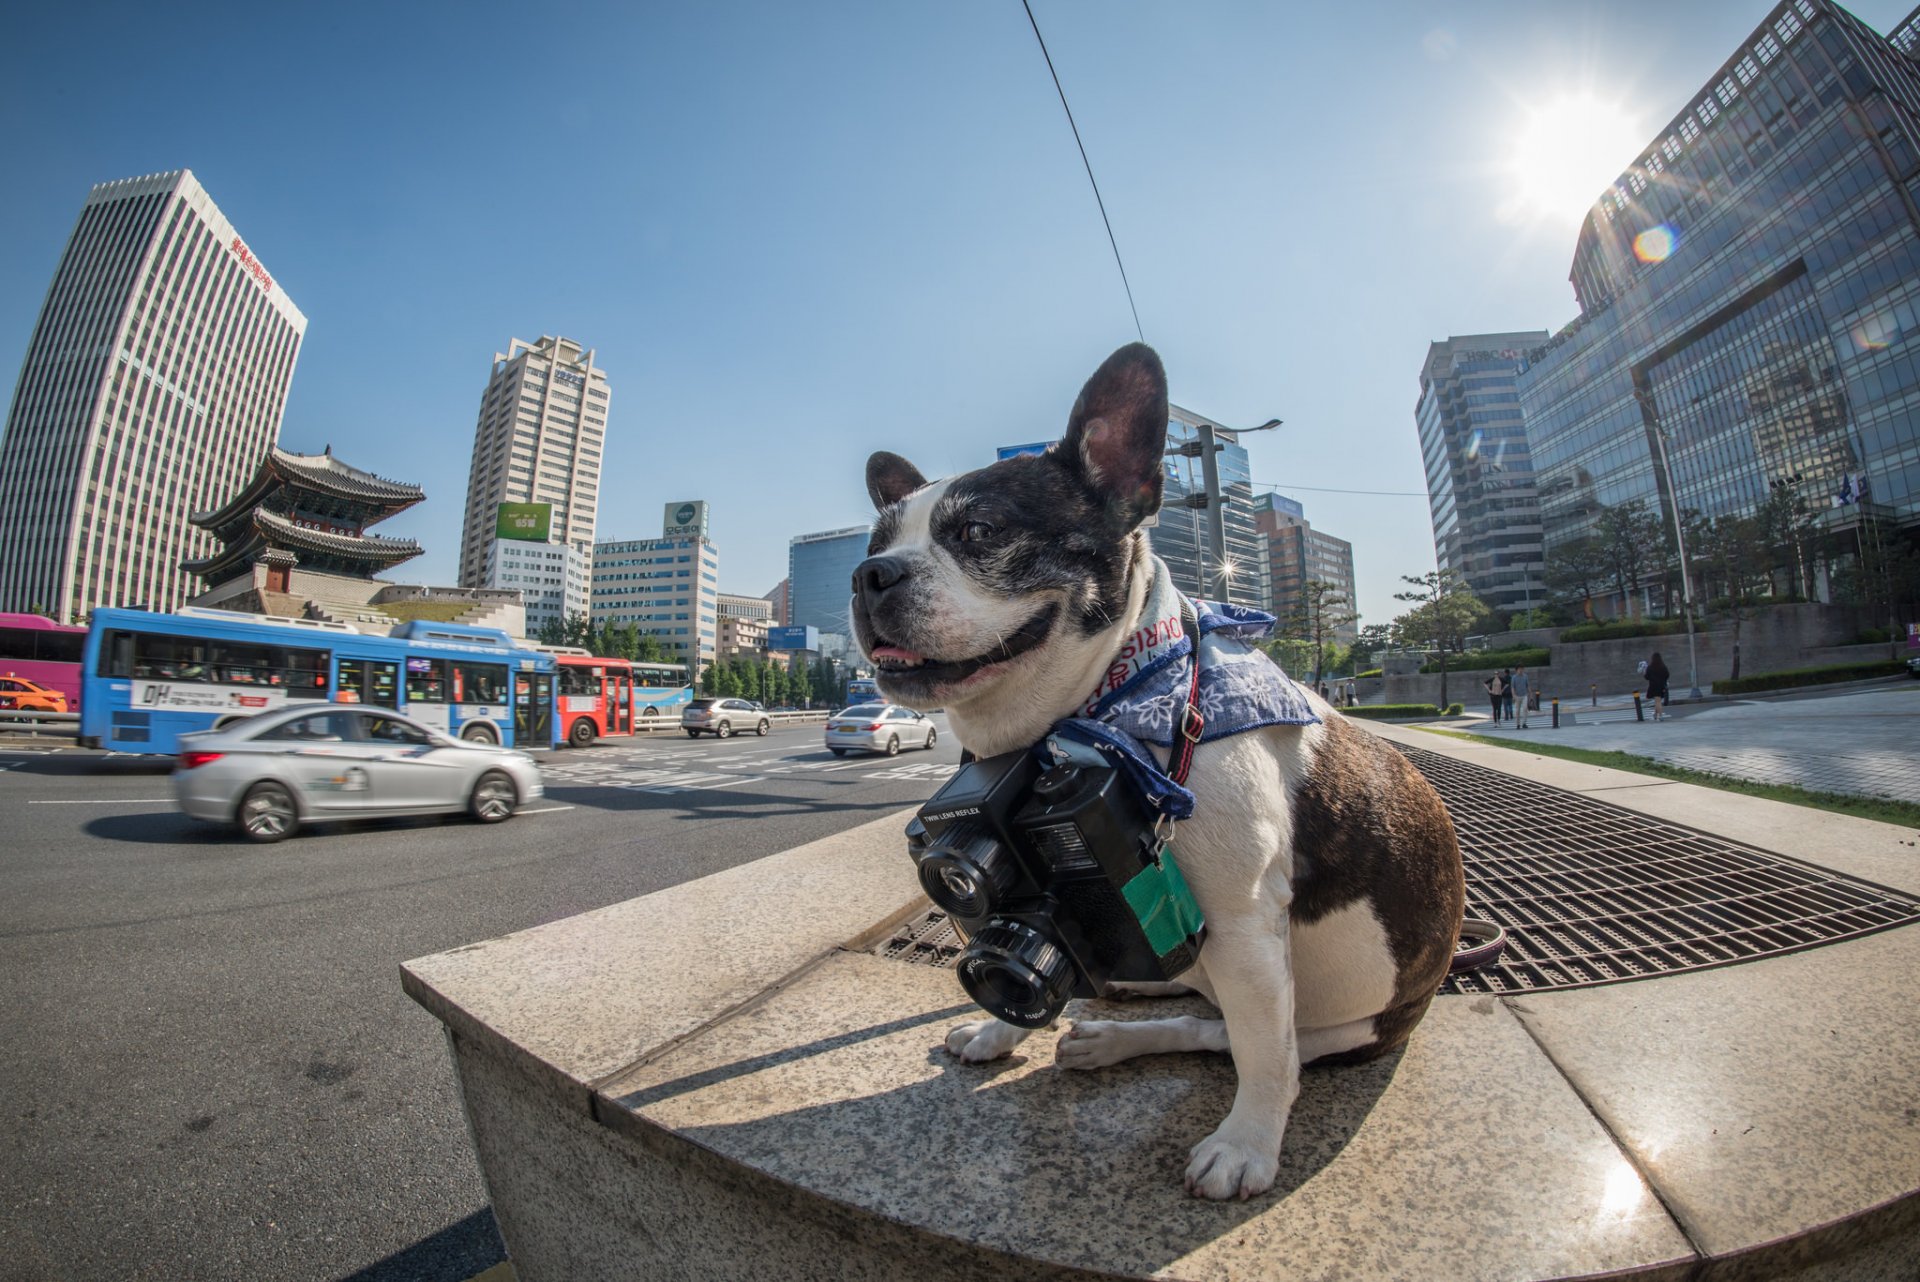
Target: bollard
1556, 712
1593, 692
1638, 713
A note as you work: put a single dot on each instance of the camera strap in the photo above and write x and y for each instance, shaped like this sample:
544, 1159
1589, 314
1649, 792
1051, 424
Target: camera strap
1189, 723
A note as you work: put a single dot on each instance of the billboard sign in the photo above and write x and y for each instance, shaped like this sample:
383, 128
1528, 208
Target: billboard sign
1018, 451
686, 520
795, 638
528, 522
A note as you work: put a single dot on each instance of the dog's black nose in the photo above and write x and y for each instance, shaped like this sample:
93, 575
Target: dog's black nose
878, 573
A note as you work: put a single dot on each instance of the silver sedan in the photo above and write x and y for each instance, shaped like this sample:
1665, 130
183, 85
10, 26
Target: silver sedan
879, 727
271, 773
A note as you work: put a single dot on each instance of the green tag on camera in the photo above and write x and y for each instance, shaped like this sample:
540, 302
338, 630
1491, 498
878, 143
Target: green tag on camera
1168, 912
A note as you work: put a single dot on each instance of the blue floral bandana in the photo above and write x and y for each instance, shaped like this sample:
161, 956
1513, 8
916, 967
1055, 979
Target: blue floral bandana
1241, 689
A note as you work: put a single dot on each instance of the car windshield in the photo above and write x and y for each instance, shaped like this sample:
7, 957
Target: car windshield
865, 710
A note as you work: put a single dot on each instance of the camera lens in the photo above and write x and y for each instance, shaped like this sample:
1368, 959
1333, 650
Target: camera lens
1015, 973
966, 871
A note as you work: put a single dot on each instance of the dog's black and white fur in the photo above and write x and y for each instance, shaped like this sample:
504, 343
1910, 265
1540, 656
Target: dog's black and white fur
1326, 866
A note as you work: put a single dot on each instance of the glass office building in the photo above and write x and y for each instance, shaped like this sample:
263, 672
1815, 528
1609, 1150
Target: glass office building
1480, 481
820, 578
1749, 294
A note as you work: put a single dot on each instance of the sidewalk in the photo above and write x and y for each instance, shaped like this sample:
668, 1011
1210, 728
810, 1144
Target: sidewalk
1863, 743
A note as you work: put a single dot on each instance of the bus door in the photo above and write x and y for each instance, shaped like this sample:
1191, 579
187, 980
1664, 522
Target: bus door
532, 710
374, 682
619, 699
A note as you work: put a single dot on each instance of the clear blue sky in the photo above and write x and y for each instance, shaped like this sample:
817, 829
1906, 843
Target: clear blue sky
799, 233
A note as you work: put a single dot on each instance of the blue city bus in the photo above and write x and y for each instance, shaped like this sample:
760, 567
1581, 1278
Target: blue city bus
149, 678
863, 690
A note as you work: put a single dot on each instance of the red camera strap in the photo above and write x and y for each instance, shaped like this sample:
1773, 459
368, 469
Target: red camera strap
1189, 724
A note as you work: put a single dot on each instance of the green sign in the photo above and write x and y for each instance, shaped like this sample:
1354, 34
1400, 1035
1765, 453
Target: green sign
530, 522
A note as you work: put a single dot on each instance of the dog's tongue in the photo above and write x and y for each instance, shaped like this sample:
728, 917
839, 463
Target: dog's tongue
896, 654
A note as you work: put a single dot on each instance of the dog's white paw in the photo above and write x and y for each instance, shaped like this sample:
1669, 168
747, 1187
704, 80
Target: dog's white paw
988, 1039
1229, 1164
1092, 1044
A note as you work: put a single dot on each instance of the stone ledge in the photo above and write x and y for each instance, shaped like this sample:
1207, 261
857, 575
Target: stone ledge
705, 1083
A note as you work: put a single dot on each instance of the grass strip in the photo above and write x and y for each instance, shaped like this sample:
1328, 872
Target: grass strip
1881, 809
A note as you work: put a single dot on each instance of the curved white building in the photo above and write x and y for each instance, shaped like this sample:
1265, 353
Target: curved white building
153, 386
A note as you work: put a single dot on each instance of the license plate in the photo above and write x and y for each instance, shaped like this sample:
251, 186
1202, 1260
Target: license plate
845, 730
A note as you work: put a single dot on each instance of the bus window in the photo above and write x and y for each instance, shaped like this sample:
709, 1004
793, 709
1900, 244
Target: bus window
426, 681
479, 682
579, 679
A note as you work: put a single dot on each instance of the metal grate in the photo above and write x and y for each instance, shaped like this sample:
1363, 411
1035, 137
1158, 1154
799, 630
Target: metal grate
1591, 893
1594, 894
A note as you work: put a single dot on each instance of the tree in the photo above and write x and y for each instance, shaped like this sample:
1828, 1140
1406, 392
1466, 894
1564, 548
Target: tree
1321, 609
1733, 551
1445, 612
1374, 638
1884, 573
799, 682
1631, 540
1788, 527
710, 681
649, 650
552, 632
1576, 571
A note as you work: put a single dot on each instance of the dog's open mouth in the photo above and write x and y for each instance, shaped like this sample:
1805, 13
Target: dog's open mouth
898, 662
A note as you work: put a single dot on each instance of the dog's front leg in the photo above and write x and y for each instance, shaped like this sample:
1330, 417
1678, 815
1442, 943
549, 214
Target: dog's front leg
986, 1039
1250, 966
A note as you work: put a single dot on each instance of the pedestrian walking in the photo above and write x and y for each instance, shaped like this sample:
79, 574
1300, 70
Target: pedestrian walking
1656, 673
1506, 694
1496, 691
1522, 689
1353, 697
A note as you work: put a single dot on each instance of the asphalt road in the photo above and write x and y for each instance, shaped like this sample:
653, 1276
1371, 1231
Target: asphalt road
209, 1070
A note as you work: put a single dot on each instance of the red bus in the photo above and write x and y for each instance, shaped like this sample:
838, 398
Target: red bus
596, 696
37, 649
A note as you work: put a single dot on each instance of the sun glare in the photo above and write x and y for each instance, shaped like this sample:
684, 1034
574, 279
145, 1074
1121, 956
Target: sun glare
1567, 150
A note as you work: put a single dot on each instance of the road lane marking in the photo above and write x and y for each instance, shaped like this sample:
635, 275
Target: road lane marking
107, 801
546, 810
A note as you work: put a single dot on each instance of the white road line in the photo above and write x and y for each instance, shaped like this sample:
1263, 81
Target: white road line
107, 801
546, 810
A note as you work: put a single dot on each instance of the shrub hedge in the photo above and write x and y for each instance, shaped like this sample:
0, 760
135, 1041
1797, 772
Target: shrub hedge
1811, 677
1370, 672
1533, 656
1621, 631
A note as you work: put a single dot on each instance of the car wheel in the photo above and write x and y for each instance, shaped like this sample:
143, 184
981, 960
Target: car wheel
893, 745
932, 735
268, 813
494, 798
649, 713
478, 732
581, 736
838, 752
763, 727
725, 730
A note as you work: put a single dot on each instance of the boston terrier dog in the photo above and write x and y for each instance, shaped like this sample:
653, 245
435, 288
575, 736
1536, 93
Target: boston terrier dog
1327, 867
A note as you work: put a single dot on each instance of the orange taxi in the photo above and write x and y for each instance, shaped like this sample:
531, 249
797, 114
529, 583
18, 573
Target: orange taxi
17, 694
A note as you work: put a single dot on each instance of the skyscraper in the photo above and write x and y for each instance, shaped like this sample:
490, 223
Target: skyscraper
1749, 294
153, 387
820, 578
667, 587
1480, 487
541, 431
1299, 555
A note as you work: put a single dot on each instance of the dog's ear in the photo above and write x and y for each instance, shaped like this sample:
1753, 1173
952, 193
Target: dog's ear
1118, 432
891, 478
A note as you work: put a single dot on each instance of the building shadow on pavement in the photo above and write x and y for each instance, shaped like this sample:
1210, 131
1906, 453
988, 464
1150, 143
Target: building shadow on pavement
454, 1254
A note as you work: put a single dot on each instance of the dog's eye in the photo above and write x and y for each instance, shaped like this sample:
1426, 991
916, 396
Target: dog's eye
975, 532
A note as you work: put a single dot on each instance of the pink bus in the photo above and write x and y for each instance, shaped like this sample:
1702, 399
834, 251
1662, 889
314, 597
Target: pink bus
37, 648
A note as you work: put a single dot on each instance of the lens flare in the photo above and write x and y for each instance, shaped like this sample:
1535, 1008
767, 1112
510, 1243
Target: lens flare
1656, 244
1875, 332
1473, 445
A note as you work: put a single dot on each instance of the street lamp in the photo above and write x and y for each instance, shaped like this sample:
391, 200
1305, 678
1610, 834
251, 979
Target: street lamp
1680, 541
1206, 448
